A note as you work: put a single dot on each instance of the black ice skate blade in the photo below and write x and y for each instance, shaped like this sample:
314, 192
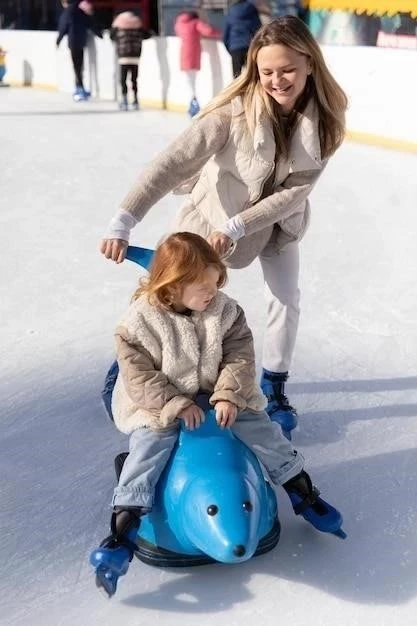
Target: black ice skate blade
105, 591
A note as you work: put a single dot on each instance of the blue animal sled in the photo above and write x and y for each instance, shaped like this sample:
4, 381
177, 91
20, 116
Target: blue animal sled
212, 502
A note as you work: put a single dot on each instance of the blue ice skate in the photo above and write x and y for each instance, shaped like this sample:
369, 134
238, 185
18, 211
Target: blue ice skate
194, 107
111, 559
110, 565
307, 503
80, 95
278, 409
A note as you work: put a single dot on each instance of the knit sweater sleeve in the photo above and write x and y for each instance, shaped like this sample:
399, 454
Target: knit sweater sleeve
288, 199
183, 159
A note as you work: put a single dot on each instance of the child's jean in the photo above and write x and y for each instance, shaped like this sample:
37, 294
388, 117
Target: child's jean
149, 452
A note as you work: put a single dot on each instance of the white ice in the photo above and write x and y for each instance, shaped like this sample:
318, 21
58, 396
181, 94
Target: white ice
64, 167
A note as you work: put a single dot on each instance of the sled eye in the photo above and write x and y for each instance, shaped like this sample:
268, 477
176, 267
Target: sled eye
212, 509
248, 506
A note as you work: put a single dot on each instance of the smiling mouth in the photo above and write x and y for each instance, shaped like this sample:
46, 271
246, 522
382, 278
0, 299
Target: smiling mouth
279, 90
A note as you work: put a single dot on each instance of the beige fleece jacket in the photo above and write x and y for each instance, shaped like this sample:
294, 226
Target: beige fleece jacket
165, 358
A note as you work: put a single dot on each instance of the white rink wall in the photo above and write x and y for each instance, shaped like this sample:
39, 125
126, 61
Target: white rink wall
380, 82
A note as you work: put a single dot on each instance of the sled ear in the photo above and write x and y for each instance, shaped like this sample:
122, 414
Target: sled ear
141, 256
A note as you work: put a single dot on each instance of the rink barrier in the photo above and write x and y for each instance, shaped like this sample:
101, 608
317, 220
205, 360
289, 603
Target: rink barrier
381, 142
32, 59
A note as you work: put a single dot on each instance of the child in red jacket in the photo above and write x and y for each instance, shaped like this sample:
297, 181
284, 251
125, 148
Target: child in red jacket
189, 28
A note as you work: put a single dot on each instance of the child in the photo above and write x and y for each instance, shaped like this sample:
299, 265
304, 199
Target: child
2, 64
189, 28
128, 34
181, 336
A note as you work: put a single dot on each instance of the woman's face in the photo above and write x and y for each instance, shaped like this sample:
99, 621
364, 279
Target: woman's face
283, 74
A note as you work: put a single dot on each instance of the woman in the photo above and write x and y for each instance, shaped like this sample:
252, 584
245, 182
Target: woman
249, 162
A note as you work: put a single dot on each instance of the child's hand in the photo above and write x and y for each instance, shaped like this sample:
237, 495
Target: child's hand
226, 413
192, 416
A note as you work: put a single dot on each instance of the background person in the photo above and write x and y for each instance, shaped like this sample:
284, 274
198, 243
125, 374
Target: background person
241, 23
128, 33
75, 22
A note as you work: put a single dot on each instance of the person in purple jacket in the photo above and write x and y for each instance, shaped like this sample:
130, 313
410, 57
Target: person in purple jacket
242, 22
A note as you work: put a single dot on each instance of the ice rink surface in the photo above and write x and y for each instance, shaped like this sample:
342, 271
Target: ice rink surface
64, 168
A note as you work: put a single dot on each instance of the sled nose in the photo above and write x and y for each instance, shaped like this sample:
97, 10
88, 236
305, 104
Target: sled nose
239, 550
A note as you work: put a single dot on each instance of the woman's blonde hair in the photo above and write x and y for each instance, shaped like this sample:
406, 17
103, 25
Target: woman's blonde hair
330, 98
179, 260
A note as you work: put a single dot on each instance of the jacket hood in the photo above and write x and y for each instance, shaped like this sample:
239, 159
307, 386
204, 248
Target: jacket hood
127, 20
185, 18
243, 10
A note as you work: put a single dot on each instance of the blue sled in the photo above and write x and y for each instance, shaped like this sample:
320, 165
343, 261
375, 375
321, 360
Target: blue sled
212, 503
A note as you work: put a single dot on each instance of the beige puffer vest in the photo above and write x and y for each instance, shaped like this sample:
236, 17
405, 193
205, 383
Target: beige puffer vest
233, 180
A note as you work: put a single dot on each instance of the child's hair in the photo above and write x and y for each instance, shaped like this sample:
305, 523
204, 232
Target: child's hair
178, 261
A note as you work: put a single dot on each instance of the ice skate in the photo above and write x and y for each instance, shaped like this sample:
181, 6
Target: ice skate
111, 559
279, 408
306, 502
123, 106
194, 107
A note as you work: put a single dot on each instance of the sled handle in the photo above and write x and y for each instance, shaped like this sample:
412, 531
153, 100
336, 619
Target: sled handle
141, 256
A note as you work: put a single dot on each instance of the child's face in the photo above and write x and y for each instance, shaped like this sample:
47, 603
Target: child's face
198, 295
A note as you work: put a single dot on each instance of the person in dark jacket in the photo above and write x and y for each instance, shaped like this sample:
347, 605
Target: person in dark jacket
242, 22
127, 33
75, 22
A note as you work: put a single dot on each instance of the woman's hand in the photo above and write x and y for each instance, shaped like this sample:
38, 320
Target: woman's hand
226, 413
192, 416
114, 249
220, 242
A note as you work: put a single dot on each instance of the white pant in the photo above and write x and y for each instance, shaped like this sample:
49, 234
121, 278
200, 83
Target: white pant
282, 295
191, 76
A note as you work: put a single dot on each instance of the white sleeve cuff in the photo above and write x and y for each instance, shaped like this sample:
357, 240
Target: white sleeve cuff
233, 228
121, 225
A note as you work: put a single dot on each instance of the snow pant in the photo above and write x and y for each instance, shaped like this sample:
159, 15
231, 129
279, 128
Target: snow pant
238, 60
133, 70
280, 272
77, 57
149, 452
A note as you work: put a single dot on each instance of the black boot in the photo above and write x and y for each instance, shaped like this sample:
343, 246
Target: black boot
307, 503
112, 558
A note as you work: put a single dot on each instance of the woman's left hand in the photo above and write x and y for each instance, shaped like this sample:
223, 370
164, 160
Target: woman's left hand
220, 242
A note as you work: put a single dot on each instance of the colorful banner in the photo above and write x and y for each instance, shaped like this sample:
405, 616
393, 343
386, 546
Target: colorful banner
371, 7
364, 23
